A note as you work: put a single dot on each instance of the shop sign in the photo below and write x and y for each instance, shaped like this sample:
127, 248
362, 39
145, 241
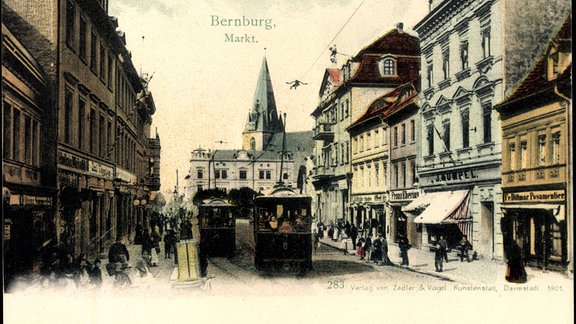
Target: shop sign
125, 176
100, 170
535, 196
72, 161
459, 176
25, 200
404, 195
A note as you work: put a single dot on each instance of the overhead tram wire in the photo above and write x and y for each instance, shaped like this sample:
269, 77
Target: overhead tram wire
334, 38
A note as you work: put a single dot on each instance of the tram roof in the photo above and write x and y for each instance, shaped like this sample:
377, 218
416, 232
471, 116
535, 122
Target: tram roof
215, 202
280, 191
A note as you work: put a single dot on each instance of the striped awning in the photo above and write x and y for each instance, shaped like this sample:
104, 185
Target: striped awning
440, 207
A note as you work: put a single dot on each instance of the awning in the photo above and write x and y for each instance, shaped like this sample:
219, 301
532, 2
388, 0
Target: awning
440, 207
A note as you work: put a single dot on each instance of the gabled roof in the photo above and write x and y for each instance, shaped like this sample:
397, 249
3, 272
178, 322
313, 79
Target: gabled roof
389, 104
395, 41
536, 80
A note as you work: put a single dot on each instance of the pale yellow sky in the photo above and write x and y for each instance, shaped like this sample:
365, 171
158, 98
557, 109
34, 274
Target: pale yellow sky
203, 85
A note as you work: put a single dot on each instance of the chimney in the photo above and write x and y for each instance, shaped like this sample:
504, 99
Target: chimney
400, 26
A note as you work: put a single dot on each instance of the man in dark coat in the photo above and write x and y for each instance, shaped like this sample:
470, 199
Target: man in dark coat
118, 252
353, 234
404, 245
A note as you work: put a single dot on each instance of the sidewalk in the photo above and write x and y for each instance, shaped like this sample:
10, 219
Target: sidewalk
477, 272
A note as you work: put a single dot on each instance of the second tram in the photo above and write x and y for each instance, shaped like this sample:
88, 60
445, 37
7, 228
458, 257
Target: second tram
282, 231
217, 221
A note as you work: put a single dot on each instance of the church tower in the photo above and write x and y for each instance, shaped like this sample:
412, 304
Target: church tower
263, 121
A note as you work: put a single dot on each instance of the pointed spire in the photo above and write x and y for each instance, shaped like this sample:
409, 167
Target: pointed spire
263, 117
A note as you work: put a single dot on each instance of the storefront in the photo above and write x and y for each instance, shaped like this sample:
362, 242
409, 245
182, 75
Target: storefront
401, 223
536, 220
29, 229
443, 213
369, 214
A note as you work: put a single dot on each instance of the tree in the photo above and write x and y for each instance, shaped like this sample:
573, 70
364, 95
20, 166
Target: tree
243, 198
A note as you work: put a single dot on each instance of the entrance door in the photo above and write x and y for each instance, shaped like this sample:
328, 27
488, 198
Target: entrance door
487, 228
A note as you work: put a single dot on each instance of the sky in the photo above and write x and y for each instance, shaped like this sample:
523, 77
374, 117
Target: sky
203, 79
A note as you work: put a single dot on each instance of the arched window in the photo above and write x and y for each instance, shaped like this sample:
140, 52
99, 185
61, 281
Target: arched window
252, 144
388, 67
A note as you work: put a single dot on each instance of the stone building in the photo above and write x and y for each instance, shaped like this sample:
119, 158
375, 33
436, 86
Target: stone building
471, 52
345, 95
97, 114
536, 160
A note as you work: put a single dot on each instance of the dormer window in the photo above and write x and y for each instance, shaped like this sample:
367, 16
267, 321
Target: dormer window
387, 66
553, 65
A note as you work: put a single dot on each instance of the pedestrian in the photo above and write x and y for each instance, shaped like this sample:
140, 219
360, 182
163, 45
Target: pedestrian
316, 240
96, 274
438, 255
81, 271
515, 271
331, 232
360, 248
353, 234
444, 246
344, 246
376, 255
118, 252
404, 246
464, 247
169, 244
138, 235
368, 248
385, 258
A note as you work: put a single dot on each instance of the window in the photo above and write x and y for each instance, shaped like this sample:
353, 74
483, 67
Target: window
110, 73
224, 174
343, 153
556, 148
403, 134
35, 143
17, 144
487, 122
285, 176
429, 74
396, 136
346, 153
403, 170
346, 107
81, 121
464, 55
412, 131
486, 42
92, 130
68, 108
200, 174
446, 63
513, 157
524, 154
111, 139
261, 174
243, 174
70, 23
252, 144
7, 140
542, 150
430, 138
413, 170
268, 174
446, 135
217, 174
93, 51
388, 66
27, 139
465, 129
102, 63
396, 178
368, 141
102, 134
376, 175
82, 45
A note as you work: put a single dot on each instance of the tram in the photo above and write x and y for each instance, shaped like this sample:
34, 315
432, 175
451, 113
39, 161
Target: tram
217, 221
282, 231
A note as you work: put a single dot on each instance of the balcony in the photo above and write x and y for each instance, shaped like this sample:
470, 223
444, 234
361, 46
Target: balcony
324, 132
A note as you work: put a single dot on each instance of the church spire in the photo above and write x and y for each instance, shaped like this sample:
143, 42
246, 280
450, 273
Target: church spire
263, 119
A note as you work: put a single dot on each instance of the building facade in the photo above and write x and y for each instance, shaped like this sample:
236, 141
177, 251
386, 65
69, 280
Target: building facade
345, 95
98, 114
536, 181
471, 51
383, 162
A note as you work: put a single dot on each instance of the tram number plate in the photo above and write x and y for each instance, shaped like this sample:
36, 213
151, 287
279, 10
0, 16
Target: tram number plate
285, 245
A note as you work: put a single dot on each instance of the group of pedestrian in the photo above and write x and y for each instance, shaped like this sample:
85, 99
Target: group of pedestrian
67, 269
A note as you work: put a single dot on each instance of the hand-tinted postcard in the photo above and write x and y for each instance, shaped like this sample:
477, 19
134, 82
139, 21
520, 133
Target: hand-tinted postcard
226, 161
